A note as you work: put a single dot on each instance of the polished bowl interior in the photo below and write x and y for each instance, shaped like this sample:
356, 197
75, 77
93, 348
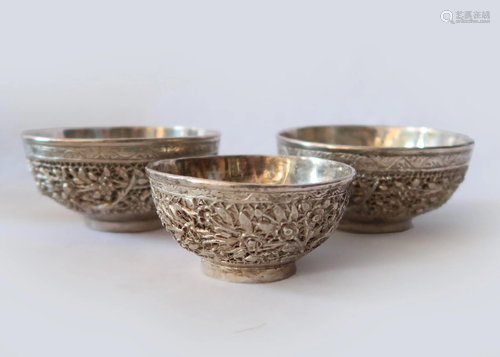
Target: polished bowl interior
116, 133
260, 170
385, 137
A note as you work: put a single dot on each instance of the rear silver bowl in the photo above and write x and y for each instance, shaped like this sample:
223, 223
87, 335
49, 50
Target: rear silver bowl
401, 171
99, 172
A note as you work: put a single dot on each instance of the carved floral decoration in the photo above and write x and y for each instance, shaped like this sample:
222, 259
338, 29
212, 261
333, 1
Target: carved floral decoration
95, 188
254, 232
397, 187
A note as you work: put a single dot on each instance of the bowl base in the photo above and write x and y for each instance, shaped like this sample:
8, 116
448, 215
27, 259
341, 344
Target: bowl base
124, 226
248, 275
374, 227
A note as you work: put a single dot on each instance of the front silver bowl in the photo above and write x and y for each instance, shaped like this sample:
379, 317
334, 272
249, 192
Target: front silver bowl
401, 171
250, 217
99, 172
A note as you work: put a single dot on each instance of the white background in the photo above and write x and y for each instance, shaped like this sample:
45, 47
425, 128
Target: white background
248, 69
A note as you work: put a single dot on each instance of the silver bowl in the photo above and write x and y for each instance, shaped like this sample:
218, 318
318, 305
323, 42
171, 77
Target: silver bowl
99, 172
250, 217
401, 171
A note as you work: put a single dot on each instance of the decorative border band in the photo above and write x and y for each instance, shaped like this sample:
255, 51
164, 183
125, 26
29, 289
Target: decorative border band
122, 153
271, 194
377, 162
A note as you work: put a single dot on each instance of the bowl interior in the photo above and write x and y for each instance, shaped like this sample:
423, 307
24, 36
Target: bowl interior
144, 132
269, 170
379, 136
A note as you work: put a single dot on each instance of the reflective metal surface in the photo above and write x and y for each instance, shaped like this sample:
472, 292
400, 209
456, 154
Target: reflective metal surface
250, 217
374, 138
114, 135
401, 171
99, 172
259, 170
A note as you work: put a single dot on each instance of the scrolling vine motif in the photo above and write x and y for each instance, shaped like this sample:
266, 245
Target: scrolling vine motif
123, 152
375, 162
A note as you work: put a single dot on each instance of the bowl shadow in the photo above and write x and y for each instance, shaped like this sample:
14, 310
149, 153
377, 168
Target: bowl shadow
433, 235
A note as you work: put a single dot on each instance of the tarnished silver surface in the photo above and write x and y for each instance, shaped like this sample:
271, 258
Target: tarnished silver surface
99, 172
250, 217
401, 171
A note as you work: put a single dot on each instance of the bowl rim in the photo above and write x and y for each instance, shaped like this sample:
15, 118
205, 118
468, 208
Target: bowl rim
313, 144
40, 135
152, 172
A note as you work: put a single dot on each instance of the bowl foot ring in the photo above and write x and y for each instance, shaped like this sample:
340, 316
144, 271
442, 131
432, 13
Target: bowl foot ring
374, 227
248, 275
124, 226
